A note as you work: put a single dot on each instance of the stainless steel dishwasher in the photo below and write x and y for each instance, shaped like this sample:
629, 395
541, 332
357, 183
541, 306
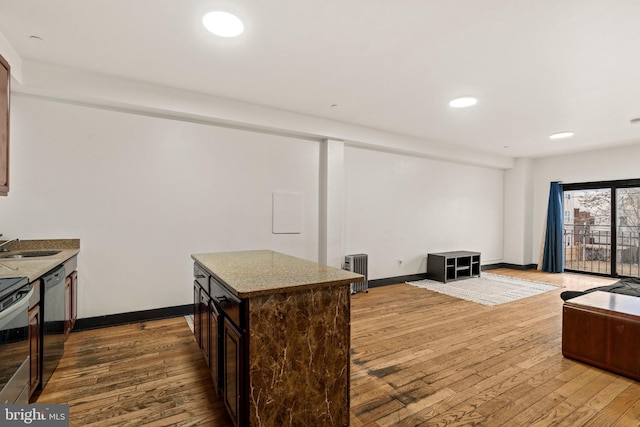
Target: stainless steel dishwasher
53, 327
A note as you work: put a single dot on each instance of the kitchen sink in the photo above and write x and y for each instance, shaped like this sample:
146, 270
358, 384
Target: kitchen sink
30, 254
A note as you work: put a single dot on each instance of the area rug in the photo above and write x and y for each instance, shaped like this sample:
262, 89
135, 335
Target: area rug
488, 289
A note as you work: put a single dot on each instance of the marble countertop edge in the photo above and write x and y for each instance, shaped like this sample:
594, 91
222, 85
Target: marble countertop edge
250, 274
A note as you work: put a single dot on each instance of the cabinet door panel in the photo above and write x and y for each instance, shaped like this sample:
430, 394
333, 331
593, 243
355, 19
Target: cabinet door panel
231, 371
67, 306
34, 348
196, 313
214, 342
204, 324
74, 298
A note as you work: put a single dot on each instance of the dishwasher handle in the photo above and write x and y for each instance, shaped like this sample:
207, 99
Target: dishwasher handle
54, 278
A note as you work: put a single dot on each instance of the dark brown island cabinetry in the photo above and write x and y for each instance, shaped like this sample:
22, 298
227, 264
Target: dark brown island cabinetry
232, 372
278, 336
215, 324
201, 310
217, 331
455, 265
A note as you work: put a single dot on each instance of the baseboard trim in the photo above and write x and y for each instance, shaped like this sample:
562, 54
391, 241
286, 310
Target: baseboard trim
395, 280
132, 317
508, 265
413, 277
183, 310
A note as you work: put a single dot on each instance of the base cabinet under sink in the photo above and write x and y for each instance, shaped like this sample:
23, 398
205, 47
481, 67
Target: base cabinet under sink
215, 325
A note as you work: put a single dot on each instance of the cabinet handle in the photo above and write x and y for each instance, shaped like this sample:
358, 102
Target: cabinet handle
200, 276
221, 299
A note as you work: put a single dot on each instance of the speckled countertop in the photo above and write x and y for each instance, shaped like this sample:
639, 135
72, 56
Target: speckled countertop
253, 273
37, 266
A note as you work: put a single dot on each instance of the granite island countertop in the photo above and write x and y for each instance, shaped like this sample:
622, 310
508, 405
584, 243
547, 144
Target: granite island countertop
263, 272
35, 267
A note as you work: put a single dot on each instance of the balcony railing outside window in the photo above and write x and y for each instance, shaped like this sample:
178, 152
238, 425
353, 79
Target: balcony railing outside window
588, 249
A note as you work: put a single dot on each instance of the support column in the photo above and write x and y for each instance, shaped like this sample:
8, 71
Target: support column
332, 204
518, 213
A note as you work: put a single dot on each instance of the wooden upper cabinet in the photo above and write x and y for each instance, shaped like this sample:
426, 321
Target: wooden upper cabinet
5, 79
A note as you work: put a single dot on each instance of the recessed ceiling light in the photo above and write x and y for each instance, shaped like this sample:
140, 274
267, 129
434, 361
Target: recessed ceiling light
223, 24
463, 101
561, 135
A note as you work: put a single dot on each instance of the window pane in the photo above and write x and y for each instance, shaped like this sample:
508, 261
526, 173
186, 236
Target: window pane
587, 230
627, 229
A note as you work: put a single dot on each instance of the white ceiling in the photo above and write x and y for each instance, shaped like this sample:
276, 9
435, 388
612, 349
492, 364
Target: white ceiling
537, 67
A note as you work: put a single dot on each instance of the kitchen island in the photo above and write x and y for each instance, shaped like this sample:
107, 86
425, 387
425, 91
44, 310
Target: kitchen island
275, 331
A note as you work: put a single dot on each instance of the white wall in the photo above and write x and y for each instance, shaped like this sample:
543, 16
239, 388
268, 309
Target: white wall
146, 175
401, 208
600, 165
144, 193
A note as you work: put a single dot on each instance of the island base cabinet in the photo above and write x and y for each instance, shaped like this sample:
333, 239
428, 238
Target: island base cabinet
278, 357
201, 320
205, 343
214, 341
196, 313
299, 357
232, 370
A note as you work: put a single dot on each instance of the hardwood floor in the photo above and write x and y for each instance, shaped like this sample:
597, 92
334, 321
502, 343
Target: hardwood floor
418, 358
144, 374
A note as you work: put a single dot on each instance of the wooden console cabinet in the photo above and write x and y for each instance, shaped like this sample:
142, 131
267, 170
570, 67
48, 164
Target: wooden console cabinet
456, 265
603, 329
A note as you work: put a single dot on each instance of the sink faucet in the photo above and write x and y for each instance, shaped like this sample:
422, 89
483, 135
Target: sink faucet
6, 243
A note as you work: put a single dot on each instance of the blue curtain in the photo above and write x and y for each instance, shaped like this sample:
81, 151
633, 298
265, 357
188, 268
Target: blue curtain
553, 258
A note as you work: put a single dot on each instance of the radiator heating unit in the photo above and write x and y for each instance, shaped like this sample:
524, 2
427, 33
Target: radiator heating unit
358, 264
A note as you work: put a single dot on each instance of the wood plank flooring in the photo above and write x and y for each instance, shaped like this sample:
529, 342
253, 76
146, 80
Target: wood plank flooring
144, 374
418, 359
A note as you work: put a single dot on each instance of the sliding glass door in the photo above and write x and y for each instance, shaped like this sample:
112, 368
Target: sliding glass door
587, 230
627, 231
602, 227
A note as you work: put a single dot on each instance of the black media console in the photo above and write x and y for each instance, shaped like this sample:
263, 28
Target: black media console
456, 265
